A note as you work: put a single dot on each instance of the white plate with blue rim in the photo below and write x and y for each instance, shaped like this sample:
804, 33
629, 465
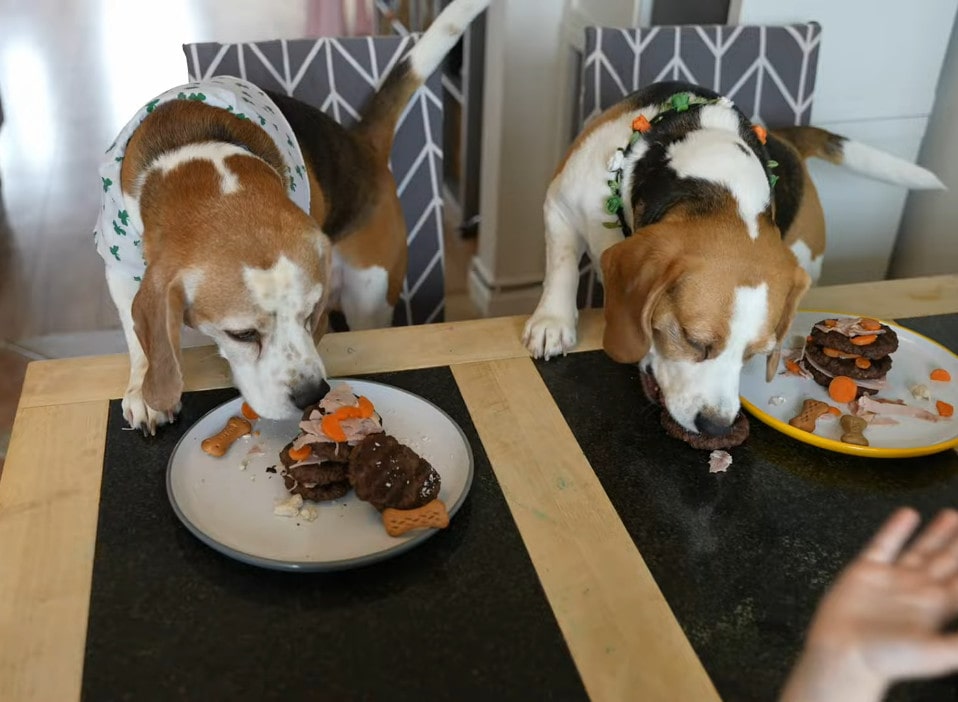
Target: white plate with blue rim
228, 502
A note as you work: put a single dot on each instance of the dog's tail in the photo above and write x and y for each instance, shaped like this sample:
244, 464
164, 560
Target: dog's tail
859, 157
382, 112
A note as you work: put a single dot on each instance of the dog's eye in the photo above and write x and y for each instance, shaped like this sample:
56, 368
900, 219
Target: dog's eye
702, 348
309, 323
246, 336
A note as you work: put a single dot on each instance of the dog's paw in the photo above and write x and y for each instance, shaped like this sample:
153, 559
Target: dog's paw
140, 415
549, 335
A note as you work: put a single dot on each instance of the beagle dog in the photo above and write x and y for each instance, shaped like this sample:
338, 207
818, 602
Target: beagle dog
706, 232
249, 216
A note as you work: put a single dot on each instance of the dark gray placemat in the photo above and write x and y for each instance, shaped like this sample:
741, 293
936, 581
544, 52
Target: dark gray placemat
743, 557
460, 617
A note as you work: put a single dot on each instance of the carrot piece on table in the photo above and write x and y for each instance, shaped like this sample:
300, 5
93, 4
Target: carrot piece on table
301, 453
944, 409
842, 389
249, 412
332, 429
870, 324
941, 374
366, 408
864, 340
834, 410
863, 363
792, 367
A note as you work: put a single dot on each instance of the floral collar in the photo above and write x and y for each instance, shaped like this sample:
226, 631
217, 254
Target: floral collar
680, 102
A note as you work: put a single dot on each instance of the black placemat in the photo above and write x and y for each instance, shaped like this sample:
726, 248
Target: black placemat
743, 557
460, 617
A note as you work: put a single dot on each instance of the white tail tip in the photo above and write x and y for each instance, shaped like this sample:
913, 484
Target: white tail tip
880, 165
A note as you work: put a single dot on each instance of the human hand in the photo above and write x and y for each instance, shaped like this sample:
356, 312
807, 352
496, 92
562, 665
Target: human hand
882, 619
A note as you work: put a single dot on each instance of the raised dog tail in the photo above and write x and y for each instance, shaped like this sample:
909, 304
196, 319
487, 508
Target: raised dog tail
859, 157
382, 112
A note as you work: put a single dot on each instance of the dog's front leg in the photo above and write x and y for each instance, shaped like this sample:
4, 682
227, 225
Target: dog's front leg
551, 330
135, 410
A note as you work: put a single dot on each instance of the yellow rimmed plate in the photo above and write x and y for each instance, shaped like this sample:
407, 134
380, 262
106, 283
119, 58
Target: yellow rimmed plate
912, 363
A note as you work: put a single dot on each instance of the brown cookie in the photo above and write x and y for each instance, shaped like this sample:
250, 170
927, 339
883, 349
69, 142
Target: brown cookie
735, 437
884, 344
809, 414
322, 493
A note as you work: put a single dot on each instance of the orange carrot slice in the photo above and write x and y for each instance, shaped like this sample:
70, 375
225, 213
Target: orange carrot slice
863, 363
332, 429
792, 367
249, 412
870, 324
941, 375
944, 409
366, 408
842, 389
347, 413
864, 340
834, 410
301, 453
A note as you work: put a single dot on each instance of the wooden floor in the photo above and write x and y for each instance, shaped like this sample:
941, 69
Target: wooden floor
71, 73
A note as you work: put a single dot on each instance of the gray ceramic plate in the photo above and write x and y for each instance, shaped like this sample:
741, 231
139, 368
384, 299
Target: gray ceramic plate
228, 502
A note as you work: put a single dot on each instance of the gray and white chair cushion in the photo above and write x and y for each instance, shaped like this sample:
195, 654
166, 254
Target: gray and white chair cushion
337, 75
769, 72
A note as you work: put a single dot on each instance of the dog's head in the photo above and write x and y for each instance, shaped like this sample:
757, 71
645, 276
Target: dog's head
250, 272
693, 300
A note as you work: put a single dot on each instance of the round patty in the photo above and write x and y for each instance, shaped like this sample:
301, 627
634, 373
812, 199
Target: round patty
885, 344
315, 473
825, 381
735, 437
321, 493
334, 453
846, 366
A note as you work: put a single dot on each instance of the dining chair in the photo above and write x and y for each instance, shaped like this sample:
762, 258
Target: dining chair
767, 71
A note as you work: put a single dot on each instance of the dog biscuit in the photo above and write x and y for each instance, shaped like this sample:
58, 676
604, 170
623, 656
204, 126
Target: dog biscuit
854, 428
811, 411
219, 444
399, 521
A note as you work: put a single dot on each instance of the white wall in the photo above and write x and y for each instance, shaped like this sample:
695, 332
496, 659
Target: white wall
928, 240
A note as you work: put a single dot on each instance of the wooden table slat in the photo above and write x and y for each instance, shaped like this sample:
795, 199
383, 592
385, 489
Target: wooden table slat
619, 628
48, 517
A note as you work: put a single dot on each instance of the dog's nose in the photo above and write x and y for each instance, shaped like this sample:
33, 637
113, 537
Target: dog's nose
712, 425
309, 394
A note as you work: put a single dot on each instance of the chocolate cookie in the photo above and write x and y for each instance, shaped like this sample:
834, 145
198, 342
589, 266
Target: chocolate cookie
385, 473
315, 474
846, 366
883, 344
825, 380
321, 493
735, 437
334, 453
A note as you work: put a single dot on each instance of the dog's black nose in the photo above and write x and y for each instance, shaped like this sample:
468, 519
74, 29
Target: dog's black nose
712, 425
309, 394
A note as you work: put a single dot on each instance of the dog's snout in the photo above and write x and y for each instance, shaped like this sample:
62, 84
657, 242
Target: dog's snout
712, 425
309, 394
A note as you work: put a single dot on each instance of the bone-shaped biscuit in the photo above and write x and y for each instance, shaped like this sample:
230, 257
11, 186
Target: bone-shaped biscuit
811, 411
399, 521
219, 444
854, 428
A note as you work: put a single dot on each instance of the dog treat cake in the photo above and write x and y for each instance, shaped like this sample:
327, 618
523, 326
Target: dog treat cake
342, 445
854, 348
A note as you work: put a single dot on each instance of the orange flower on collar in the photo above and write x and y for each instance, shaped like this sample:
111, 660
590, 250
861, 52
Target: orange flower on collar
641, 124
760, 132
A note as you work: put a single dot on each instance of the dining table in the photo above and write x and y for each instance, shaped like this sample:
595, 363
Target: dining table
593, 558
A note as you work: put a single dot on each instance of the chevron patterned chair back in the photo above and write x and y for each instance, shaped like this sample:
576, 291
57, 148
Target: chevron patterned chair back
337, 76
768, 72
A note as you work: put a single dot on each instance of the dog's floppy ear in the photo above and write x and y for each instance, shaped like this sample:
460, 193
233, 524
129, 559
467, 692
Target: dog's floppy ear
635, 274
157, 318
800, 284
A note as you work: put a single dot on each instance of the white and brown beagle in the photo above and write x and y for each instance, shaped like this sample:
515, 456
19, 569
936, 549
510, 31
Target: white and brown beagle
706, 232
250, 216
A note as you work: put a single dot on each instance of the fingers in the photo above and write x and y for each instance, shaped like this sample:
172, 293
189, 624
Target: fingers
887, 543
939, 656
933, 541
